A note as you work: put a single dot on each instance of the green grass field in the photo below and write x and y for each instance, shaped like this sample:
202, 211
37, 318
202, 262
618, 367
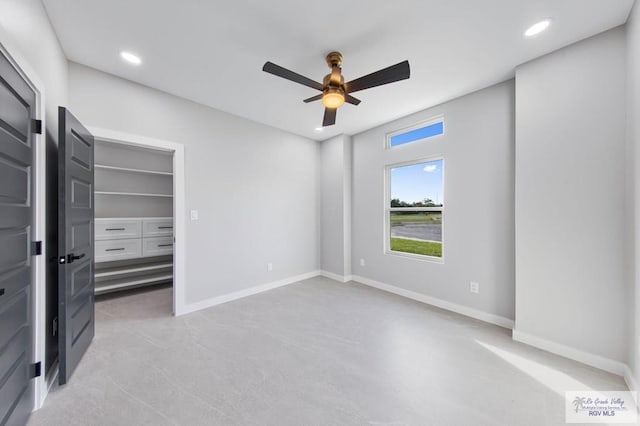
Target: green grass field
426, 218
427, 248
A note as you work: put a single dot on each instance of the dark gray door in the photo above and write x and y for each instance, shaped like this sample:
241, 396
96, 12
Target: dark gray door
17, 104
75, 242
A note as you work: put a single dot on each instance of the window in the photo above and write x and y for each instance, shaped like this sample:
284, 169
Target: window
415, 208
431, 128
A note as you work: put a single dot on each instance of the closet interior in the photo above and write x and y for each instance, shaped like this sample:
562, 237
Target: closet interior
133, 216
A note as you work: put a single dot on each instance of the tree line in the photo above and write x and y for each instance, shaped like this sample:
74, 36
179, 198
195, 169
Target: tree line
395, 202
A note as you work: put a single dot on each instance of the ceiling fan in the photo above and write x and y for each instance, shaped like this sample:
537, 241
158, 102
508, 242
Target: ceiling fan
335, 92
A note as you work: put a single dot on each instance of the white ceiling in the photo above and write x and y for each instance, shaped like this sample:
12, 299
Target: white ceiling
212, 52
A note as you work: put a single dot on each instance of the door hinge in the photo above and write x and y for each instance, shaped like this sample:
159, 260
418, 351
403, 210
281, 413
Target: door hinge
54, 327
36, 126
36, 370
36, 248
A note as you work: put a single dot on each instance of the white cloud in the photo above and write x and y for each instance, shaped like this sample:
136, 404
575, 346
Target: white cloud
431, 168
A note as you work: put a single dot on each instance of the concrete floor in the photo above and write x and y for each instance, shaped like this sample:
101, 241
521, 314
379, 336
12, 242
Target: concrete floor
313, 353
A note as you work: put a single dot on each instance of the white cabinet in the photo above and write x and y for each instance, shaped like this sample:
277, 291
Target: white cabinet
157, 246
117, 229
130, 238
109, 250
157, 227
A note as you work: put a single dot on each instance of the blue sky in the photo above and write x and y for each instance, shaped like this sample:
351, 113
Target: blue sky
417, 182
417, 134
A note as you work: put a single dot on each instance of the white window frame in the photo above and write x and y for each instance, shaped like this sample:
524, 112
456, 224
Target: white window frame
388, 209
426, 123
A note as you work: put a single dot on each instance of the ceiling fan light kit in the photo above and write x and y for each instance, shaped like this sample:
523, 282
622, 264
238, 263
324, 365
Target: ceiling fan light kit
332, 97
335, 92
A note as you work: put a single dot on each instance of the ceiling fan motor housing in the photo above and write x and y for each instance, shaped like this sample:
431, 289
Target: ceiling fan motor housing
326, 81
334, 59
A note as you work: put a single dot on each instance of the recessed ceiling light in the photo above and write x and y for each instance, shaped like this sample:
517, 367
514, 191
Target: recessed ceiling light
131, 58
537, 28
319, 129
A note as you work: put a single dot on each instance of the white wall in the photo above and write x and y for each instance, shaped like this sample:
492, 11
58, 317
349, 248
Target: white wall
570, 197
633, 193
256, 188
478, 149
335, 178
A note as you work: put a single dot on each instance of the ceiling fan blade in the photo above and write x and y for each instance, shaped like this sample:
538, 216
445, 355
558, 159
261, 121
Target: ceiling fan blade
350, 99
329, 117
313, 98
387, 75
274, 69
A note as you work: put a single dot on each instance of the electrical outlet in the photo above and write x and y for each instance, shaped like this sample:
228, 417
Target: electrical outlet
194, 214
362, 262
269, 266
474, 287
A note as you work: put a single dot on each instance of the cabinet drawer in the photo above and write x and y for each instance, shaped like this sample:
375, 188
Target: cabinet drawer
118, 249
157, 227
111, 229
157, 246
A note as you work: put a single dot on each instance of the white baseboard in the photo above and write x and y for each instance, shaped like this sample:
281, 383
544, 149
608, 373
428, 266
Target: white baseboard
593, 360
449, 306
336, 277
192, 307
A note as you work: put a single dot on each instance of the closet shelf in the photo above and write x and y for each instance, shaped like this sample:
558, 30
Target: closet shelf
123, 270
126, 169
120, 284
133, 194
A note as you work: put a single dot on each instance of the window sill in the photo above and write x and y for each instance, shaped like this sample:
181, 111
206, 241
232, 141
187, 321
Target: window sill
420, 257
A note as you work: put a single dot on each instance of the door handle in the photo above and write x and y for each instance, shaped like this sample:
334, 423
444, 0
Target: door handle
71, 257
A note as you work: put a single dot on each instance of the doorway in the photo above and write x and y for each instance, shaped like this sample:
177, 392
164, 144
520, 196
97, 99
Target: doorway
126, 239
133, 217
139, 199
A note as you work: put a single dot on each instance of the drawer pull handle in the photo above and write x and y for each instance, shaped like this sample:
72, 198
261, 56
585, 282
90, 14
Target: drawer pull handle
165, 227
1, 291
115, 229
165, 245
115, 249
